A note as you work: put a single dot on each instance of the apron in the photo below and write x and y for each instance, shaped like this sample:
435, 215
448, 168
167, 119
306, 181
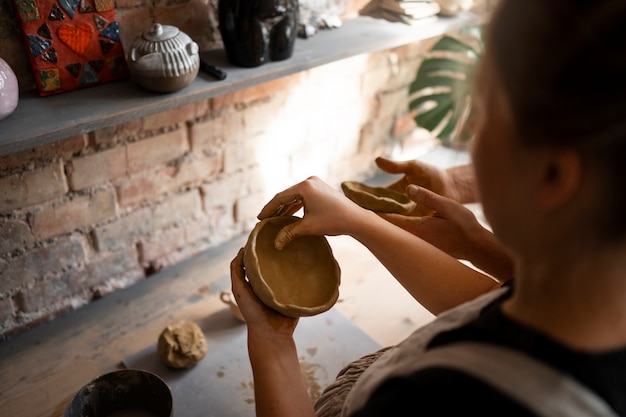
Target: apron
537, 386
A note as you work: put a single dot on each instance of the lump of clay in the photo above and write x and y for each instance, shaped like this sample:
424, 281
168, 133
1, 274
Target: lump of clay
182, 345
378, 198
300, 280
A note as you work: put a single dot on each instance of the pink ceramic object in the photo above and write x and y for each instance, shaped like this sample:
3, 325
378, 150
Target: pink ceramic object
9, 91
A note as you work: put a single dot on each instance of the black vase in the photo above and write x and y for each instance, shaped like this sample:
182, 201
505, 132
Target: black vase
258, 31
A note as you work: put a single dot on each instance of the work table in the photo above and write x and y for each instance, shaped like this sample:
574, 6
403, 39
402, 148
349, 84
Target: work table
43, 368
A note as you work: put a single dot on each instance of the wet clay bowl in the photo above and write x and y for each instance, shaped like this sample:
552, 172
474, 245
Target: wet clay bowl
300, 280
378, 198
127, 392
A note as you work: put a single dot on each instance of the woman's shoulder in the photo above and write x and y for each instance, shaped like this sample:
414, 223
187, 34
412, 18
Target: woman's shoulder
440, 390
601, 373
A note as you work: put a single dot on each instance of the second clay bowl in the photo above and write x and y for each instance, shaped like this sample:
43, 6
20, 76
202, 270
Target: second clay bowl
378, 198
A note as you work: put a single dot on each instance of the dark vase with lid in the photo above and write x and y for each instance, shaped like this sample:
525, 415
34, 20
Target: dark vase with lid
258, 31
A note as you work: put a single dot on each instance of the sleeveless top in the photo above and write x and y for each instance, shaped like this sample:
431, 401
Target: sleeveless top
544, 390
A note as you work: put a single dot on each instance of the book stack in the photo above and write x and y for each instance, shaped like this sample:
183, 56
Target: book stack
404, 11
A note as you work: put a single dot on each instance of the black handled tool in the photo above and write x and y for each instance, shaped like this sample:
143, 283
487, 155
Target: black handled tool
212, 70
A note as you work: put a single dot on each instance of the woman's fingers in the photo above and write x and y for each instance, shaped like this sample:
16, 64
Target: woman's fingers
442, 206
287, 234
237, 274
392, 167
285, 205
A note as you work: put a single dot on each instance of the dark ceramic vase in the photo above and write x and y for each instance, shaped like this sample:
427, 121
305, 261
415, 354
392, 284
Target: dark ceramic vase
258, 31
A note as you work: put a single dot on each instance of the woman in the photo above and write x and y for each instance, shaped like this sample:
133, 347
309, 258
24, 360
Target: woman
550, 158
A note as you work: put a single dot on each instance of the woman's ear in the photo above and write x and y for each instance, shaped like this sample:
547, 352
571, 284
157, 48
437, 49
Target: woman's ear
562, 179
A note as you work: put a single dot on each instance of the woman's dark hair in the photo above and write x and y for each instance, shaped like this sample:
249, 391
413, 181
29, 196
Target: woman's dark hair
563, 66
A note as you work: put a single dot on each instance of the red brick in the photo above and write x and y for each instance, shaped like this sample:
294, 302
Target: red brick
124, 231
150, 186
97, 168
248, 208
176, 117
50, 294
177, 209
41, 262
65, 148
112, 270
161, 245
221, 225
224, 190
197, 234
157, 150
80, 212
108, 136
255, 93
235, 157
14, 234
178, 244
7, 312
142, 188
198, 231
105, 135
212, 135
32, 187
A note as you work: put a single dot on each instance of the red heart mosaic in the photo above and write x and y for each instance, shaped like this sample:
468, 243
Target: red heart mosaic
76, 37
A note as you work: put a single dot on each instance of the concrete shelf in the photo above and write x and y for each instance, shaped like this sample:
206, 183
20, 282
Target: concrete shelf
42, 120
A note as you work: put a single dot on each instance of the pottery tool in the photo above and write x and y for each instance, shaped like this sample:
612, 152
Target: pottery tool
212, 70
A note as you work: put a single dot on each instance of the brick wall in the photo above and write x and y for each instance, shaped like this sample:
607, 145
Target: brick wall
97, 212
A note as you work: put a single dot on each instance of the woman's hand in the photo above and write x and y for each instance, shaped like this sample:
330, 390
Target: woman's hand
456, 182
259, 318
454, 229
326, 211
452, 226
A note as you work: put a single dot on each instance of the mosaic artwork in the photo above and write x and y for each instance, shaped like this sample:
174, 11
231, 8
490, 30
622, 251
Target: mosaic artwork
71, 44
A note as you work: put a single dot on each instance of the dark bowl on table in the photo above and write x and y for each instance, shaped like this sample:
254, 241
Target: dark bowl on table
120, 393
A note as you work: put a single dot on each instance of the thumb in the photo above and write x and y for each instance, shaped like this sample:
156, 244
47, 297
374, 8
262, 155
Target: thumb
287, 234
430, 199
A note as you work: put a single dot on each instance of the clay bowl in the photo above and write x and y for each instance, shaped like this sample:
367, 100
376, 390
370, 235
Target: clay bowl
300, 280
378, 198
120, 393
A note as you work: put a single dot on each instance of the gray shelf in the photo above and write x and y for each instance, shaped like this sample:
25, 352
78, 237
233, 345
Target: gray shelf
42, 120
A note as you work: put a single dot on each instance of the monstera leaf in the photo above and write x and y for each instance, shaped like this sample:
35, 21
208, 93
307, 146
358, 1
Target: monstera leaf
440, 94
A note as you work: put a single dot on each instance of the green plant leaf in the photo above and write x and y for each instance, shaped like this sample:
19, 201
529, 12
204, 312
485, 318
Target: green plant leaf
439, 94
450, 44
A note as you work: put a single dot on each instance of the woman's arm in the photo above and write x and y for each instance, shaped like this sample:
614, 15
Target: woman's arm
279, 388
435, 279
